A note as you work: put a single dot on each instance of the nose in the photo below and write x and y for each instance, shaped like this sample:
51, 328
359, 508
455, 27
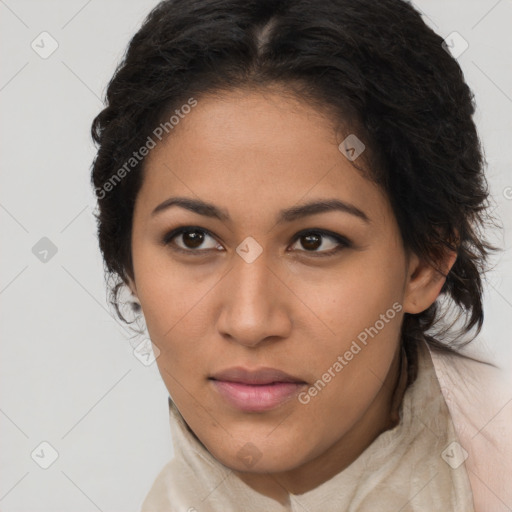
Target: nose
254, 303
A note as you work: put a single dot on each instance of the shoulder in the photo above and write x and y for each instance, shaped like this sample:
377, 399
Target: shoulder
479, 397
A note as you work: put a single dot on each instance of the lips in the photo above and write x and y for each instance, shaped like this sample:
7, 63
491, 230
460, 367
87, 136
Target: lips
255, 377
255, 390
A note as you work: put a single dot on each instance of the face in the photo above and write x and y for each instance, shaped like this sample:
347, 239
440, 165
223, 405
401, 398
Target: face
277, 322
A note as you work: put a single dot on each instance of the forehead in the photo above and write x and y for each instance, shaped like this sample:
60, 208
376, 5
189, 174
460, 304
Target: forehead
253, 150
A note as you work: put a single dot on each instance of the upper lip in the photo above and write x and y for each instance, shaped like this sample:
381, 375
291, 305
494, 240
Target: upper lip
258, 376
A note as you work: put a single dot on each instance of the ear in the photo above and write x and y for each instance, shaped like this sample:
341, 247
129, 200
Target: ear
424, 282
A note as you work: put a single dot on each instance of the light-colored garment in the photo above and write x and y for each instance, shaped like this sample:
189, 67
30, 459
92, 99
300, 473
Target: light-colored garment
424, 464
479, 398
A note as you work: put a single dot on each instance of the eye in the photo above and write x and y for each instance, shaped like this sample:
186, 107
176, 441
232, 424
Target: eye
312, 240
191, 238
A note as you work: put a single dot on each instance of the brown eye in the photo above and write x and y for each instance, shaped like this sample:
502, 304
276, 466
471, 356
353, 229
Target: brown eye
328, 243
311, 242
190, 239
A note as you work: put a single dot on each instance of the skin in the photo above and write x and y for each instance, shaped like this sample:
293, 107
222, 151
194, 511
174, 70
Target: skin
253, 153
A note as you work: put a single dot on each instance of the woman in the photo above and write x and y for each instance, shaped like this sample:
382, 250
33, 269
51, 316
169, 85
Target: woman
293, 191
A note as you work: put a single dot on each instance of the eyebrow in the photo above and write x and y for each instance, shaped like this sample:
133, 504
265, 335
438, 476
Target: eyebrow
288, 215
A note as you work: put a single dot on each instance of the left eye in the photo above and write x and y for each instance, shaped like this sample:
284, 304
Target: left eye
312, 241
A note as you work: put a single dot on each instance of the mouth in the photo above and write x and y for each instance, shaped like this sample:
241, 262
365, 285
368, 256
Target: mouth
256, 390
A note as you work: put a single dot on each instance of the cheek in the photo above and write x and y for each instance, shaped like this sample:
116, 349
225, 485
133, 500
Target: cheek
166, 290
352, 361
173, 313
355, 328
175, 307
352, 297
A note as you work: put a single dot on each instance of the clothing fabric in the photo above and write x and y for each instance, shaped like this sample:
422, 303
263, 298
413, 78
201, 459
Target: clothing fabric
424, 464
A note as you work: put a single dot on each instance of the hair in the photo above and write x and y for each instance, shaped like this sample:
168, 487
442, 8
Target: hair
376, 68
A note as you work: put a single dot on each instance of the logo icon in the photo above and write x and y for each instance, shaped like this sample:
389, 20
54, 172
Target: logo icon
44, 455
455, 45
454, 455
249, 250
44, 250
44, 45
146, 352
352, 147
249, 454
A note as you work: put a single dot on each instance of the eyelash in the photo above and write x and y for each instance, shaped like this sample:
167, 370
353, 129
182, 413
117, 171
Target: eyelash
343, 243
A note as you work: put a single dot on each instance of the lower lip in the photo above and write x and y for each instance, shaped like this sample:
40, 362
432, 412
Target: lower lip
253, 398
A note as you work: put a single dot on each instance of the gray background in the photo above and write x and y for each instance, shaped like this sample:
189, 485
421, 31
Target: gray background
68, 372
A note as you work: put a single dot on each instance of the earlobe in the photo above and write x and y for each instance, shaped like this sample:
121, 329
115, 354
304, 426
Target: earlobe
424, 282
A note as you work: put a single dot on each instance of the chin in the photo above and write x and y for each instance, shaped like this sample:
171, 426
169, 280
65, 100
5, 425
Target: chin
260, 455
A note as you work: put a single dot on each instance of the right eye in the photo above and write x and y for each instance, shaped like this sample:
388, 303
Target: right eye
191, 238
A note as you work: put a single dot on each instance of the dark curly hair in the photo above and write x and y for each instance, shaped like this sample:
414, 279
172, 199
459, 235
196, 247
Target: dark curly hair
374, 67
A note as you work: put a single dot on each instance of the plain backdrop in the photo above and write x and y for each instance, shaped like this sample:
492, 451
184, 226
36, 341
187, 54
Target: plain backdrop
69, 377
